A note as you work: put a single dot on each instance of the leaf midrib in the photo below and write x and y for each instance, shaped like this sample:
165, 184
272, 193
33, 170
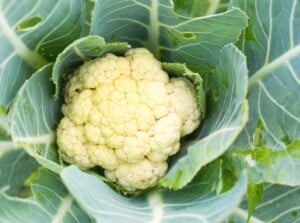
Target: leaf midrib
63, 208
35, 140
34, 60
156, 204
153, 30
268, 68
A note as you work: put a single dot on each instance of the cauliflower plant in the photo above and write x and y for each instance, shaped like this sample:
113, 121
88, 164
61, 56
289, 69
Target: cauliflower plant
126, 115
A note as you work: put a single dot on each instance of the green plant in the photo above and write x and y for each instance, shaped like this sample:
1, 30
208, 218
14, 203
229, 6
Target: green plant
241, 163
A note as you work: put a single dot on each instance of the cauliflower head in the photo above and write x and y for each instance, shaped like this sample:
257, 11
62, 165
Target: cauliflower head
127, 116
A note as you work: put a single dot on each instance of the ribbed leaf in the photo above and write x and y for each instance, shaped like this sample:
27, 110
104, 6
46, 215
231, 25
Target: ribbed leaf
279, 204
34, 117
15, 167
226, 116
269, 146
198, 202
170, 37
33, 33
50, 203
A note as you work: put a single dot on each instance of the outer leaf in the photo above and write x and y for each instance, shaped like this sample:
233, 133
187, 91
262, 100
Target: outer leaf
197, 203
34, 116
31, 34
269, 146
21, 211
51, 203
226, 117
254, 195
15, 167
280, 204
172, 38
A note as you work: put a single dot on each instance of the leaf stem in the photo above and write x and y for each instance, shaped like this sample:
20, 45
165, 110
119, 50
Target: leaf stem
155, 202
153, 31
35, 140
268, 68
7, 145
35, 60
212, 9
62, 210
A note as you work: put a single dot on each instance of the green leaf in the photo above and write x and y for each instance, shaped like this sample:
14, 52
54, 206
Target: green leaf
254, 195
196, 203
50, 203
279, 204
15, 167
169, 36
196, 8
31, 34
81, 50
226, 116
4, 131
272, 135
30, 22
88, 15
21, 211
270, 165
34, 117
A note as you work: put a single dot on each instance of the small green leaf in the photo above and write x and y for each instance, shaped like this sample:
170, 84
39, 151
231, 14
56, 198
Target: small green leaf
254, 195
30, 22
267, 164
3, 111
279, 204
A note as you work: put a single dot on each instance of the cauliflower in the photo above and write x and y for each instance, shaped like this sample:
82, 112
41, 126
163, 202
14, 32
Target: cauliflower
126, 115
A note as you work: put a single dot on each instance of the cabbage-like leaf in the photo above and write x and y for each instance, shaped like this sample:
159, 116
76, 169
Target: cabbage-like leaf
21, 211
279, 204
198, 202
270, 144
15, 167
33, 33
226, 116
50, 203
34, 116
169, 36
